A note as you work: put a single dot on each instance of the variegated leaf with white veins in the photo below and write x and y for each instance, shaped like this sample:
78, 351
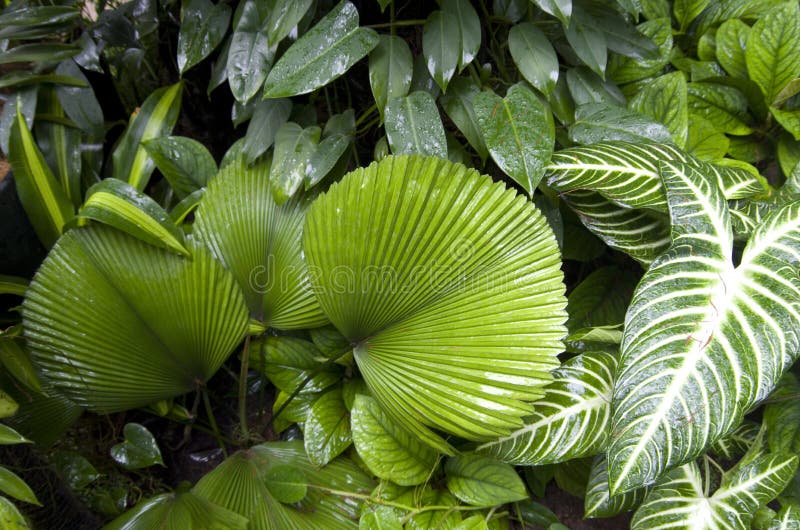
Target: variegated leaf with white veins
570, 421
704, 340
599, 502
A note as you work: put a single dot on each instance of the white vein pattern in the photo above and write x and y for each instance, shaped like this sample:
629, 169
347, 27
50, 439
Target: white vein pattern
703, 341
599, 502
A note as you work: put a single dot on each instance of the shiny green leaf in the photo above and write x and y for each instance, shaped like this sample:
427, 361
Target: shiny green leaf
561, 9
586, 86
185, 163
599, 502
687, 10
704, 140
11, 516
26, 100
628, 69
666, 100
482, 481
731, 45
322, 54
39, 52
469, 28
283, 16
80, 103
268, 117
441, 41
61, 145
519, 133
588, 43
725, 107
390, 69
249, 55
13, 486
289, 362
336, 138
138, 450
771, 50
534, 56
157, 117
327, 428
294, 146
9, 436
458, 105
597, 122
16, 360
413, 126
203, 26
74, 468
789, 119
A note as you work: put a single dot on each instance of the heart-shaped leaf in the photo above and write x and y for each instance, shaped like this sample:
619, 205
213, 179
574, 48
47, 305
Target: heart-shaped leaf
138, 450
482, 481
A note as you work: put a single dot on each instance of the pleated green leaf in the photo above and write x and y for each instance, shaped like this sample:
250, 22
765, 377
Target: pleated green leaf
570, 421
695, 360
389, 450
260, 243
239, 485
116, 323
178, 511
122, 206
482, 481
449, 287
771, 50
46, 203
599, 502
157, 117
681, 499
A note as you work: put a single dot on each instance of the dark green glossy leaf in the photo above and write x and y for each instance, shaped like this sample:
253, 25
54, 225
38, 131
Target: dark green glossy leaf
534, 56
666, 100
628, 69
138, 450
39, 52
327, 428
23, 21
597, 122
483, 481
586, 87
458, 105
599, 502
268, 117
336, 139
203, 26
519, 133
75, 469
185, 163
61, 145
441, 40
771, 50
22, 78
469, 28
561, 9
25, 99
288, 362
413, 126
601, 299
283, 16
390, 70
249, 55
80, 103
294, 147
322, 54
588, 43
725, 107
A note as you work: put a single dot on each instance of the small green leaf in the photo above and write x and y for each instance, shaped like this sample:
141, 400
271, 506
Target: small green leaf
388, 449
8, 406
138, 450
13, 486
624, 69
390, 70
286, 483
688, 10
11, 516
381, 518
704, 140
469, 28
185, 163
249, 55
322, 54
561, 9
9, 436
598, 122
771, 53
336, 138
294, 147
43, 199
283, 17
441, 41
16, 360
288, 362
534, 56
476, 522
790, 119
731, 45
519, 133
327, 428
666, 99
588, 43
76, 470
203, 26
268, 117
458, 105
157, 117
120, 205
413, 126
483, 481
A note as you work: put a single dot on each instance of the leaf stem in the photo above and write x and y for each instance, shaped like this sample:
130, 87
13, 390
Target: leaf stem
213, 422
245, 367
398, 23
414, 510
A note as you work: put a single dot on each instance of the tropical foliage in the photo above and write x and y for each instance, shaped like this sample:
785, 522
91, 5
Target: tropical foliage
401, 265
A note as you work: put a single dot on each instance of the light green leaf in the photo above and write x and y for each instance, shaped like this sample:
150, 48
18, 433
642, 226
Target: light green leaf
790, 119
725, 107
185, 163
597, 122
534, 56
390, 70
561, 9
16, 360
482, 481
13, 486
688, 10
138, 450
446, 516
249, 56
120, 205
389, 450
268, 117
45, 202
150, 324
157, 117
666, 100
731, 45
381, 518
322, 54
283, 16
203, 26
441, 40
287, 484
689, 371
771, 50
599, 502
294, 146
406, 322
469, 29
476, 522
570, 421
628, 69
704, 140
260, 243
458, 105
171, 511
11, 516
519, 133
413, 126
327, 428
9, 436
288, 362
588, 43
8, 405
61, 145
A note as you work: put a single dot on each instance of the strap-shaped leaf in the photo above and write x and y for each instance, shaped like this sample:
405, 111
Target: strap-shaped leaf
570, 421
260, 243
681, 501
448, 285
599, 502
239, 484
703, 340
116, 323
122, 206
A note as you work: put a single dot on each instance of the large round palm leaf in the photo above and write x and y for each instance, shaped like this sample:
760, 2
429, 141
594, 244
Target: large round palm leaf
448, 285
260, 242
116, 323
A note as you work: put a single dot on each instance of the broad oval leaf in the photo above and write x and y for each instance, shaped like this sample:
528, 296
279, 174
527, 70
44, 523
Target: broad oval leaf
138, 450
534, 56
327, 428
588, 42
483, 481
413, 296
390, 70
690, 370
570, 421
294, 147
469, 28
724, 106
185, 163
322, 54
597, 122
771, 50
260, 243
203, 26
688, 10
458, 105
389, 450
731, 39
157, 117
116, 323
12, 485
666, 100
413, 126
519, 133
249, 54
441, 41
